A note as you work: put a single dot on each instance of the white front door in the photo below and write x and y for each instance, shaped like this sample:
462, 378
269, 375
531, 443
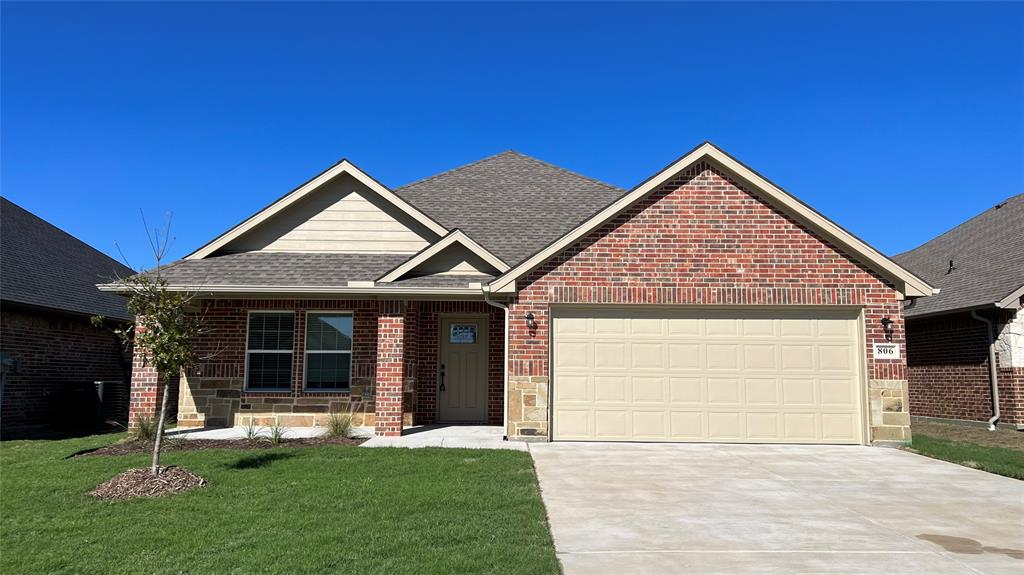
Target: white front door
462, 370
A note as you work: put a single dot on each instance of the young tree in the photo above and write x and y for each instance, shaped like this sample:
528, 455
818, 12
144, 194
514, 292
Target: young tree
166, 323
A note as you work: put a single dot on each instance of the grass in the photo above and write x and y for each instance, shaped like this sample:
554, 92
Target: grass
334, 509
1000, 452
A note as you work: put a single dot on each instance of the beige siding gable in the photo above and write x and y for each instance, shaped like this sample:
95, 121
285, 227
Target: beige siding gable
340, 216
455, 259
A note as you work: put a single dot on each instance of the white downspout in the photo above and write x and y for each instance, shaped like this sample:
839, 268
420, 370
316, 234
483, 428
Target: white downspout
993, 376
504, 366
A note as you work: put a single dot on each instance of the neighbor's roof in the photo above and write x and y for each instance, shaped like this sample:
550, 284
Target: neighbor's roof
510, 203
988, 261
44, 266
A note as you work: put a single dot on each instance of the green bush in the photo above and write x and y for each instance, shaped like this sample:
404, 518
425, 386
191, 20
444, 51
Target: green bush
145, 429
339, 425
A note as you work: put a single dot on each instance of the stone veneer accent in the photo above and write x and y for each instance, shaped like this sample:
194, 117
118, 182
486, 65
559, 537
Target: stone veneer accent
701, 239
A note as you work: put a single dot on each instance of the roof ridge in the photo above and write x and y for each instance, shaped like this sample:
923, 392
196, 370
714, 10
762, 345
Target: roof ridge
567, 171
453, 170
998, 204
518, 154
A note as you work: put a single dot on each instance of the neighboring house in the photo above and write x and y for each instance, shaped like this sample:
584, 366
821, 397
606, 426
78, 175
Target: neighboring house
705, 304
979, 267
52, 354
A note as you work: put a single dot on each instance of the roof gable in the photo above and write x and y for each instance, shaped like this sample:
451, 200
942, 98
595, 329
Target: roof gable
328, 223
906, 282
987, 252
44, 266
454, 254
510, 203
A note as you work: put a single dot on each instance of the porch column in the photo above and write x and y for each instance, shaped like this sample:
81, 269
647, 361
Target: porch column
390, 375
146, 389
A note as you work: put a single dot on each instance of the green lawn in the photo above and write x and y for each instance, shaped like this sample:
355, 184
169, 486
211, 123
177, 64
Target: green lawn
330, 509
1000, 460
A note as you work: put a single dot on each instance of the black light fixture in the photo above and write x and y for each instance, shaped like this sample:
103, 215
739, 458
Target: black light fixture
531, 321
887, 327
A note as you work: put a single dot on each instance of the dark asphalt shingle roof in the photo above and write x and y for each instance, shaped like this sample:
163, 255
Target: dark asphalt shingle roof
439, 280
281, 269
510, 203
988, 259
42, 265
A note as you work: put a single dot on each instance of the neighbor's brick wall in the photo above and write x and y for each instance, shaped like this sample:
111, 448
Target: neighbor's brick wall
702, 239
53, 351
948, 373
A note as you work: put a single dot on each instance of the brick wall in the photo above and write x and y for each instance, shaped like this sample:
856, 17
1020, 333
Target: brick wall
948, 371
213, 394
702, 239
53, 351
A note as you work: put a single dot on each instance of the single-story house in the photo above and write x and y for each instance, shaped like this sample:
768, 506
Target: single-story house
704, 304
52, 355
972, 332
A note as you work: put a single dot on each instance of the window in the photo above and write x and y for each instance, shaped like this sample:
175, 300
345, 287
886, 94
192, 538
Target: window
328, 351
268, 351
462, 333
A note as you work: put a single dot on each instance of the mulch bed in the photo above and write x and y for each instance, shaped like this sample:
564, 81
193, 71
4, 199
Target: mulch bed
142, 483
133, 447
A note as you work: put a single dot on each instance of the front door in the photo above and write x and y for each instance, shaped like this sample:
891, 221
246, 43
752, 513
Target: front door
462, 369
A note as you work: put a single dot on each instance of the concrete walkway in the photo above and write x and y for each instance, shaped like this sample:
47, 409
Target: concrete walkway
464, 436
657, 508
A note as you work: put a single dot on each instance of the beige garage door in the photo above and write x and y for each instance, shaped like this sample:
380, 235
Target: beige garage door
748, 376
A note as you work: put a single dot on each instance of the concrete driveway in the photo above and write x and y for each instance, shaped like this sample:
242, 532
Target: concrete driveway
656, 508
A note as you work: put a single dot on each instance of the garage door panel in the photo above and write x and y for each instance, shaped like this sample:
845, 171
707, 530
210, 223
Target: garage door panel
611, 424
649, 389
684, 356
687, 426
762, 426
727, 376
573, 355
573, 388
761, 391
647, 355
609, 355
650, 424
722, 356
683, 390
723, 390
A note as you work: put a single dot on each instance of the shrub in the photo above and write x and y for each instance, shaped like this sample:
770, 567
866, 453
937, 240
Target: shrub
145, 429
252, 431
339, 425
277, 434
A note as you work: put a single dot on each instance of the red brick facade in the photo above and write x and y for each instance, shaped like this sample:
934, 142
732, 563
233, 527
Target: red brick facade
948, 371
213, 391
702, 239
52, 352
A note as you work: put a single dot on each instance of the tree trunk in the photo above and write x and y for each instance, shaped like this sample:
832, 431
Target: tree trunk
155, 469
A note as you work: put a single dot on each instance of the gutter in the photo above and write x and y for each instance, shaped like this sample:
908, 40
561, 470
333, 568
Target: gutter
993, 377
504, 370
324, 290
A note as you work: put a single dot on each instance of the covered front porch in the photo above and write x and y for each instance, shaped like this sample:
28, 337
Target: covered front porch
390, 364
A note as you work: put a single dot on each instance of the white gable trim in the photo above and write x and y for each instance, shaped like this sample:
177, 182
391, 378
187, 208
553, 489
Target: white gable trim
907, 283
456, 236
1012, 301
344, 166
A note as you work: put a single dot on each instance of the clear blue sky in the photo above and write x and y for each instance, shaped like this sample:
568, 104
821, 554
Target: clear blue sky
898, 121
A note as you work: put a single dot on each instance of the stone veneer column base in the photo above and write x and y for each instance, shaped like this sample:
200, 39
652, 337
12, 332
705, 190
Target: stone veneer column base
889, 415
527, 408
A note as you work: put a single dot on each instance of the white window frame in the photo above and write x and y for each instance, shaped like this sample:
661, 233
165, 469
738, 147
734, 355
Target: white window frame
306, 351
245, 374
